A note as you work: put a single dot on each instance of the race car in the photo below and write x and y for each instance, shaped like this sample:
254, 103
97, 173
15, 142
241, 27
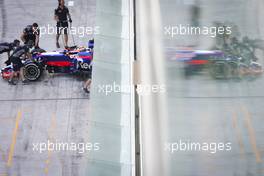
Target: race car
219, 65
77, 60
193, 60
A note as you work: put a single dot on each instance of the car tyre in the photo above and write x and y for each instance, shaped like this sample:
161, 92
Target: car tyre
32, 72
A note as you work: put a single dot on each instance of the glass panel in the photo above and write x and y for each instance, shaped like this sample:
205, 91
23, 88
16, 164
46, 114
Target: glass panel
214, 86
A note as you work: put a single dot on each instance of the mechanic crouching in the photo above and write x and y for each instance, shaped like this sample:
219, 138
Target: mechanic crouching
19, 53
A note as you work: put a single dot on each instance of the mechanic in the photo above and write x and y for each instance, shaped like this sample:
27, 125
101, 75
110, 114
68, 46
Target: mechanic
87, 83
8, 47
91, 44
61, 16
31, 33
15, 59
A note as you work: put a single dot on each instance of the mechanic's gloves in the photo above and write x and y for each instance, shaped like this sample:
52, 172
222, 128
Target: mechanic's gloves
70, 20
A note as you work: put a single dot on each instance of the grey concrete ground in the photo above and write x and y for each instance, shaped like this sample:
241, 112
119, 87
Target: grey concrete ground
54, 109
202, 109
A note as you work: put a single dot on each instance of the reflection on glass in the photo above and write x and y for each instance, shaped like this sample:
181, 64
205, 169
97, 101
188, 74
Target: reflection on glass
214, 56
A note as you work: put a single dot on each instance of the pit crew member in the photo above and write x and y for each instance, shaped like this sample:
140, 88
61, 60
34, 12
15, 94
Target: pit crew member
31, 33
8, 47
61, 16
15, 59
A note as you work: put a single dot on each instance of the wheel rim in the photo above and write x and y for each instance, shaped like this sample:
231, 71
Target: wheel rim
32, 72
218, 70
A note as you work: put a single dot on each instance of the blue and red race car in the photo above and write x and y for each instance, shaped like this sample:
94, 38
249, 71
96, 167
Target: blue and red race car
193, 60
76, 60
218, 63
193, 57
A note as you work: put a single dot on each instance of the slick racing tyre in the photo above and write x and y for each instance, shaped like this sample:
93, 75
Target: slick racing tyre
32, 72
235, 70
220, 70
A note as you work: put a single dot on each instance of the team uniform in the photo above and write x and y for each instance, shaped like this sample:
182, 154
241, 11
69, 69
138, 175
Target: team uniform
30, 34
6, 47
62, 24
15, 57
91, 46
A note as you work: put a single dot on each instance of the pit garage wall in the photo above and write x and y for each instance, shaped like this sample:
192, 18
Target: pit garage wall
111, 124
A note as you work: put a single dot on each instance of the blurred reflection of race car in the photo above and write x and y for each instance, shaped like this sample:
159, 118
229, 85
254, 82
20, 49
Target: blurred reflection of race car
73, 61
193, 60
219, 65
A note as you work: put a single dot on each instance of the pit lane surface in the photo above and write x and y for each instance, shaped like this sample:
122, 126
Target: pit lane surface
49, 109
